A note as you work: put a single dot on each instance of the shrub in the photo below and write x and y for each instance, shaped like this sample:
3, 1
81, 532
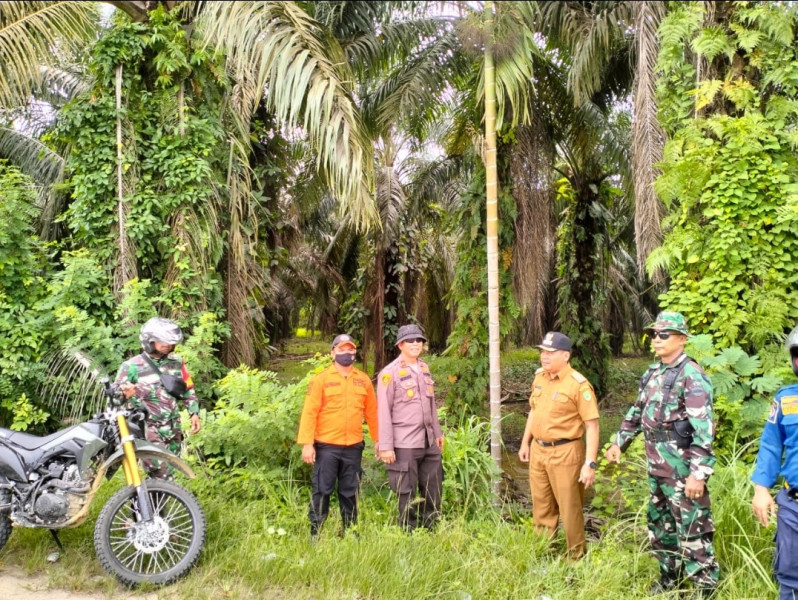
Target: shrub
468, 467
741, 394
255, 422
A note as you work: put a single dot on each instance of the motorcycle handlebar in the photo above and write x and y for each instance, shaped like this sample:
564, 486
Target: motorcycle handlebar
114, 394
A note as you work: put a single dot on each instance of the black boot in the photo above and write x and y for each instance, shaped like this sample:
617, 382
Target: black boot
665, 584
703, 592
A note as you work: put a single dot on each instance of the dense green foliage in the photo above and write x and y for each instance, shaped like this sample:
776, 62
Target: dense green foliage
232, 221
729, 169
583, 256
742, 390
174, 157
469, 292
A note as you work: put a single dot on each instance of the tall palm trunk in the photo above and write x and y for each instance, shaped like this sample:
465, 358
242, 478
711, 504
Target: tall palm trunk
126, 261
492, 195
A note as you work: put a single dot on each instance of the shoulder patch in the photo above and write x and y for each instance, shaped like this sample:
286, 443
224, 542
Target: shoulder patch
578, 376
774, 413
385, 379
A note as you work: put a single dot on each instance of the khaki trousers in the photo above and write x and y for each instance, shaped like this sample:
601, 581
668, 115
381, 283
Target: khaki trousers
557, 493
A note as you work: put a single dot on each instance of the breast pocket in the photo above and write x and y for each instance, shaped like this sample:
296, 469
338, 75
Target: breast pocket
334, 398
408, 391
430, 385
562, 404
359, 397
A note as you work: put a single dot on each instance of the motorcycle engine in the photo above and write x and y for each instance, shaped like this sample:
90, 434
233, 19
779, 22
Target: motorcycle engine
58, 495
51, 506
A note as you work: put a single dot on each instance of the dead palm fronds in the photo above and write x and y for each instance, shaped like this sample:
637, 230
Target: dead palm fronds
34, 34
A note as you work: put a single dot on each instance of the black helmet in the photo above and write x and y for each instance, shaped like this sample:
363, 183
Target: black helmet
792, 346
161, 330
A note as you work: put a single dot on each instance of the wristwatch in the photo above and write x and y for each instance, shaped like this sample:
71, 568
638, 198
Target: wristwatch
699, 475
592, 464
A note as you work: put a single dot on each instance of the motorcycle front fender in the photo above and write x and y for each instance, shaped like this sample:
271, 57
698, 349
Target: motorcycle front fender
145, 449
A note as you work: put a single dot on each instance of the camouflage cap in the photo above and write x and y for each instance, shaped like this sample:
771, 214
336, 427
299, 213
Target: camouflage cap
670, 321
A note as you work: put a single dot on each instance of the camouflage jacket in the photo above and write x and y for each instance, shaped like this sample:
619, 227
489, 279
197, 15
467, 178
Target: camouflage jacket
690, 398
150, 391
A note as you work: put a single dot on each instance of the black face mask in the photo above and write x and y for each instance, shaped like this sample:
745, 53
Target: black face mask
345, 360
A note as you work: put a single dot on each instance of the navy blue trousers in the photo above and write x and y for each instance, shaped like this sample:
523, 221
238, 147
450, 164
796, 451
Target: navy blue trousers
785, 562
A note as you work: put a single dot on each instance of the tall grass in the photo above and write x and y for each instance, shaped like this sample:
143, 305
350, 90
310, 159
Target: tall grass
260, 548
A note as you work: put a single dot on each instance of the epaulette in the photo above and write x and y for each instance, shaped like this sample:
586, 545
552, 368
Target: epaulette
539, 371
578, 376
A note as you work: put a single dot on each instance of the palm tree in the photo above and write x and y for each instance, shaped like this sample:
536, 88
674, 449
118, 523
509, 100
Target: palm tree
33, 34
600, 34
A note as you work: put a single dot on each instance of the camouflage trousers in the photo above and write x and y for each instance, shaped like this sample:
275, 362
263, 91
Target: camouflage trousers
167, 435
681, 530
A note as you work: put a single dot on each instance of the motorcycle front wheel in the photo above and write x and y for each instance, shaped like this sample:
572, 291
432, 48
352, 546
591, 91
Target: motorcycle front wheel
158, 551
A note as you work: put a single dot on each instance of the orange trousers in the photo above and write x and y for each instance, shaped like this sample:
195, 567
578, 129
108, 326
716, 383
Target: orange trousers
557, 493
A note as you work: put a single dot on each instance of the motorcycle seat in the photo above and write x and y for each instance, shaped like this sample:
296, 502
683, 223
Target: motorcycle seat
30, 442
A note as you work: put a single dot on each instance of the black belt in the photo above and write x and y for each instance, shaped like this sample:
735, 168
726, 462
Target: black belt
556, 442
660, 435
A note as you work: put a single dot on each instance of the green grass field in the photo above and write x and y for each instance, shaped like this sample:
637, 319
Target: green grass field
258, 546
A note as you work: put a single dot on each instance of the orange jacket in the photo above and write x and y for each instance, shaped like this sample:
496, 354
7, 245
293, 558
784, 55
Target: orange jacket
335, 406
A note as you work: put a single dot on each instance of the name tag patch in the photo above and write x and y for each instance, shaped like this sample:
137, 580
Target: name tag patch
789, 405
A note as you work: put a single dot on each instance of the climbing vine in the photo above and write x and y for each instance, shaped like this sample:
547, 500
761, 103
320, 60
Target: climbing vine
729, 170
174, 158
469, 293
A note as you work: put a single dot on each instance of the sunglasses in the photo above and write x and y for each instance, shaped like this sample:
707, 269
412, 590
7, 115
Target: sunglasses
663, 335
415, 340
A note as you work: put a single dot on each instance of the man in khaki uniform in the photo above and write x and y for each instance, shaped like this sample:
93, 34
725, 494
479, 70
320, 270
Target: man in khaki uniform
562, 409
411, 439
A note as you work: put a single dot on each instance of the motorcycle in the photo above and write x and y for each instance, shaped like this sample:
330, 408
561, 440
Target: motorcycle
150, 531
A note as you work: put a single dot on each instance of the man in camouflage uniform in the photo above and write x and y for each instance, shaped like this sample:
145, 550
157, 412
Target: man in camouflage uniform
143, 385
674, 411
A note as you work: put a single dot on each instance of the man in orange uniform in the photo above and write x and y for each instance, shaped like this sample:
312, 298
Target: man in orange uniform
563, 408
331, 432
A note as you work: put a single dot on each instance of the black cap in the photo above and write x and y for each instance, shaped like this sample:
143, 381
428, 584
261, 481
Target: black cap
343, 339
407, 332
554, 340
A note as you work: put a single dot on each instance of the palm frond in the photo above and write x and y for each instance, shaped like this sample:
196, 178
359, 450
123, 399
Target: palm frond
515, 46
309, 85
647, 135
396, 41
32, 156
32, 34
419, 82
59, 84
391, 201
534, 248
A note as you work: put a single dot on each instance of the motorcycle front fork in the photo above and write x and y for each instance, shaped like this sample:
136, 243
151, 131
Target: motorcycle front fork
131, 470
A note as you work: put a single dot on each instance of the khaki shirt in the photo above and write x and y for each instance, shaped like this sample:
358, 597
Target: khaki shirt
562, 403
406, 411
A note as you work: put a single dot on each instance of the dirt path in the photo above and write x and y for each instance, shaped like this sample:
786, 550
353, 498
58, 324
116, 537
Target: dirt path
16, 585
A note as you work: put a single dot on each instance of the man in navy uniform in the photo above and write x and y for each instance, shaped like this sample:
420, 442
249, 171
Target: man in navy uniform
778, 454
